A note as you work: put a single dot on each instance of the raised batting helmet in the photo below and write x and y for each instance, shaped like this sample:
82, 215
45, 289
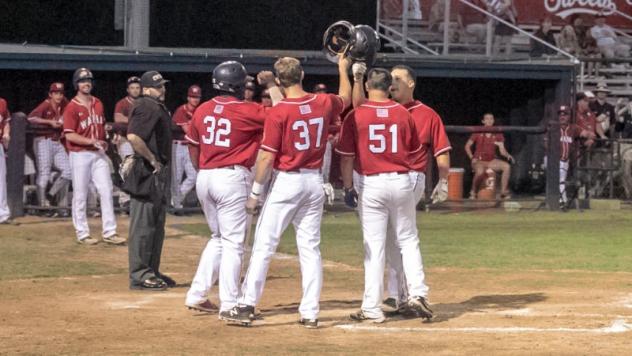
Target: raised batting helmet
338, 38
365, 45
81, 74
230, 76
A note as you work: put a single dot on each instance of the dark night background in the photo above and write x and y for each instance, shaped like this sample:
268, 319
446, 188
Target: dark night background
271, 24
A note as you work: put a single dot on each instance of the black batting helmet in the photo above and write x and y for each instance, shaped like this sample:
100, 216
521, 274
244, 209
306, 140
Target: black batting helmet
337, 39
230, 76
81, 74
365, 45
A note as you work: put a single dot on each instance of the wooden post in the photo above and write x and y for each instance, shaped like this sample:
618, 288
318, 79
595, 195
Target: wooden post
15, 164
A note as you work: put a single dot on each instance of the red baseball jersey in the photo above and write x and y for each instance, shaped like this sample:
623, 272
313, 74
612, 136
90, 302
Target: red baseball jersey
87, 121
124, 106
296, 130
47, 111
587, 121
485, 149
382, 137
182, 117
227, 130
431, 134
5, 116
568, 134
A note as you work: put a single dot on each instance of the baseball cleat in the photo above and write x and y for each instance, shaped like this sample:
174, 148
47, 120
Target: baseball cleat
360, 316
390, 305
88, 241
115, 240
309, 323
238, 314
205, 306
420, 306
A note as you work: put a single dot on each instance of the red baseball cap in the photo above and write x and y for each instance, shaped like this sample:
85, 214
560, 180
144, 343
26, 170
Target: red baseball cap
194, 91
564, 109
56, 87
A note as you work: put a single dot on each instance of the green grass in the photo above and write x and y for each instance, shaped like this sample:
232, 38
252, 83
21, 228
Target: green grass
44, 256
592, 240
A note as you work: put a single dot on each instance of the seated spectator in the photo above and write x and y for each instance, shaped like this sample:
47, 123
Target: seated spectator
436, 19
623, 126
484, 157
472, 22
568, 40
607, 40
603, 110
545, 34
585, 119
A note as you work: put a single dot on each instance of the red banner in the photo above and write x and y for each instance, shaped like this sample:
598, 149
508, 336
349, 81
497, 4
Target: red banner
533, 11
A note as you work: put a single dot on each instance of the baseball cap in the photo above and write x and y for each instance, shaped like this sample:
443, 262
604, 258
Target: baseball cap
584, 95
194, 91
152, 79
250, 85
564, 109
320, 87
132, 80
56, 87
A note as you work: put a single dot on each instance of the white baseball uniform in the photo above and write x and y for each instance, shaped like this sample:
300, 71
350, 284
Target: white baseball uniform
184, 174
5, 214
433, 139
296, 131
226, 131
89, 165
382, 136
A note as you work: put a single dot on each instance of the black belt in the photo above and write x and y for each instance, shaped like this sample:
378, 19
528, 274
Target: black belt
377, 174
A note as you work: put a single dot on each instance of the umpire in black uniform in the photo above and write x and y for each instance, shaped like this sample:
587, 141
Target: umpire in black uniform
149, 132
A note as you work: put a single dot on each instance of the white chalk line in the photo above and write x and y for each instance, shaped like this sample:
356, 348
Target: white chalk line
617, 326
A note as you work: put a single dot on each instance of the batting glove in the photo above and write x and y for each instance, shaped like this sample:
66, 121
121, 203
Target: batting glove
329, 193
351, 197
358, 69
440, 193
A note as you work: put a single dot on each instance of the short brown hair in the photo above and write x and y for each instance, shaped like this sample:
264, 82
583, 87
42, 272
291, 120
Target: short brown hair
379, 78
289, 71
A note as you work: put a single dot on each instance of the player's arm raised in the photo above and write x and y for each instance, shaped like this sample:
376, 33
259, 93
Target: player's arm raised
344, 87
358, 96
267, 79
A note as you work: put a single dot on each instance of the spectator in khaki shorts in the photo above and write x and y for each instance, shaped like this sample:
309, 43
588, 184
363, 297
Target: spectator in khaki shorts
484, 157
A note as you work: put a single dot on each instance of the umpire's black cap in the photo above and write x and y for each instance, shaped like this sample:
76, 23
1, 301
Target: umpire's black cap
152, 79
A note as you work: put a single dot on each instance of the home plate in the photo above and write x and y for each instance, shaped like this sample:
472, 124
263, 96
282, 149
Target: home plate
617, 326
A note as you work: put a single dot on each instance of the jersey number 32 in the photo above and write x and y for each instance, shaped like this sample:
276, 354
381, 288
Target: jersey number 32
218, 131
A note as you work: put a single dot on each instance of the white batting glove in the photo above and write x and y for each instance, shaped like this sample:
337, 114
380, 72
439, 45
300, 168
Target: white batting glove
358, 69
440, 193
329, 193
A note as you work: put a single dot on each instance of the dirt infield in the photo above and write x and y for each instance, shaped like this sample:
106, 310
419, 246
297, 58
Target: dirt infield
477, 310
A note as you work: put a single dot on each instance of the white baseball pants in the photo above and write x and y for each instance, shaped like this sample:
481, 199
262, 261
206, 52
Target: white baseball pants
396, 280
388, 198
48, 154
297, 198
124, 148
182, 168
91, 167
223, 193
563, 175
5, 214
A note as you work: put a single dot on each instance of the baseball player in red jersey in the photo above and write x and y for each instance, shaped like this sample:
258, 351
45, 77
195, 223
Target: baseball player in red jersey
84, 130
182, 165
122, 109
293, 143
332, 135
224, 140
380, 137
5, 117
49, 152
585, 118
